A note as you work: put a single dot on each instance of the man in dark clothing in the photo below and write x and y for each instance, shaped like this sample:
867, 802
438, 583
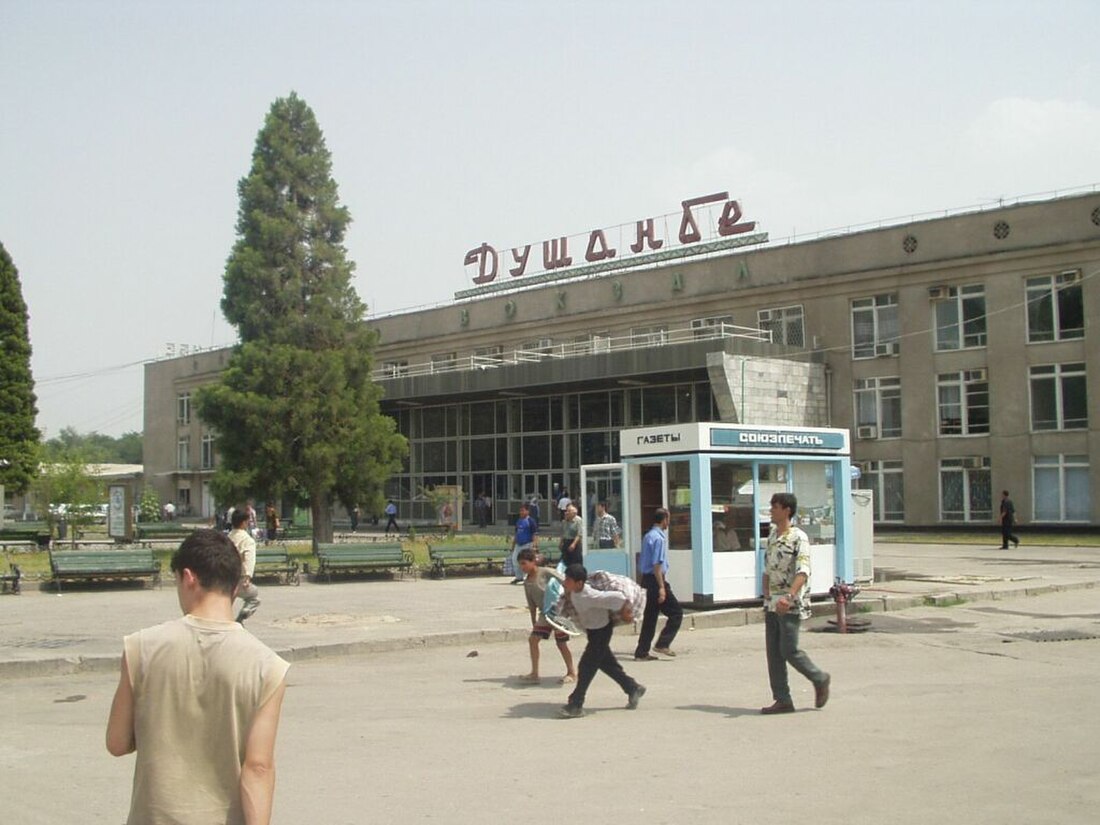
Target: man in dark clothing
1008, 521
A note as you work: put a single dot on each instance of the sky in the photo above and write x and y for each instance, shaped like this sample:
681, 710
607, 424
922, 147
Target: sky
125, 127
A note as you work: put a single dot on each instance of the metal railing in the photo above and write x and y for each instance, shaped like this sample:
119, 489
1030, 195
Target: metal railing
595, 346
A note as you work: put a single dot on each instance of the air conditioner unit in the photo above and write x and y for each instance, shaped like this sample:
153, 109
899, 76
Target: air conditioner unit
889, 348
976, 375
1071, 276
867, 431
938, 293
972, 462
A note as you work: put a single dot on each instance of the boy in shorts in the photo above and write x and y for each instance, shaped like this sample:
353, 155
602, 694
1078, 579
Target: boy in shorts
536, 580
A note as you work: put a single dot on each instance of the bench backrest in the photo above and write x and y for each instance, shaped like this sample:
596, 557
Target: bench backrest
107, 560
358, 550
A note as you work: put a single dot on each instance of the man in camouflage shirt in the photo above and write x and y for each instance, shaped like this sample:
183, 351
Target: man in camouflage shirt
786, 603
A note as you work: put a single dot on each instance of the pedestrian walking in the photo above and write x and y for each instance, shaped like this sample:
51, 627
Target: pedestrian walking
787, 603
653, 564
1008, 521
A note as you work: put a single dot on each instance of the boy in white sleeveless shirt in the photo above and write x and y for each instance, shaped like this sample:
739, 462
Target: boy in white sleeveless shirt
199, 700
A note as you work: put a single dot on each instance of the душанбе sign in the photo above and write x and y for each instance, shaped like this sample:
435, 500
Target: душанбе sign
646, 238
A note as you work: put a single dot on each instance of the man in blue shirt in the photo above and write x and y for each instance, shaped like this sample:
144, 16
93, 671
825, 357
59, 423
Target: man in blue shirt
659, 595
526, 535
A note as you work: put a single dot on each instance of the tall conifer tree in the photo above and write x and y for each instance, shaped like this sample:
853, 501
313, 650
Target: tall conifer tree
18, 435
296, 409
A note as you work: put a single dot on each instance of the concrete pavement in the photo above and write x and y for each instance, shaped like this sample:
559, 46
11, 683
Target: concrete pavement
42, 633
959, 714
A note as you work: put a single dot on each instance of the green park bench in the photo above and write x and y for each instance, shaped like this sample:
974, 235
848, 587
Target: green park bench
466, 555
276, 561
361, 558
289, 531
26, 536
104, 564
162, 532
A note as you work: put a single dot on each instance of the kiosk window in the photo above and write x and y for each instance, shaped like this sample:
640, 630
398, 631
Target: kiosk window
733, 524
679, 505
814, 489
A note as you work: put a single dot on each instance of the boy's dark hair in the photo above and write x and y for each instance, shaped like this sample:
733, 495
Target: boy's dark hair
524, 507
211, 556
787, 501
660, 515
526, 554
603, 503
240, 516
577, 573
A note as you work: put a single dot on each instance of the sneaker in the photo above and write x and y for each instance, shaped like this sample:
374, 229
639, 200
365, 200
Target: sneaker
667, 651
571, 712
821, 691
777, 707
635, 696
644, 657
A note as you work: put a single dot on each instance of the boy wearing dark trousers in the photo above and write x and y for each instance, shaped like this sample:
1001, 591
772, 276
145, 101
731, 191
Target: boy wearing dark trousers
594, 609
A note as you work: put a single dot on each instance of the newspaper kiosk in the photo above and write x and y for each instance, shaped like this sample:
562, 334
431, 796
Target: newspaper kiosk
716, 480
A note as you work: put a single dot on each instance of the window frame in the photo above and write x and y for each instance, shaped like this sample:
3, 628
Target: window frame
1058, 373
183, 408
959, 296
875, 306
963, 380
963, 465
1052, 287
882, 388
1061, 462
783, 321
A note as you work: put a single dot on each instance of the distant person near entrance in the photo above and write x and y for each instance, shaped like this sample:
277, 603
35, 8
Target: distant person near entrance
391, 518
786, 604
1008, 521
571, 526
659, 595
607, 528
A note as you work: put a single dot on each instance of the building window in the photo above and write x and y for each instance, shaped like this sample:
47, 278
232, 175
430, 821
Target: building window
960, 317
208, 451
878, 407
183, 453
1059, 399
183, 408
887, 481
784, 324
875, 326
1061, 488
183, 501
965, 489
963, 402
1055, 308
711, 327
488, 356
649, 336
394, 369
444, 361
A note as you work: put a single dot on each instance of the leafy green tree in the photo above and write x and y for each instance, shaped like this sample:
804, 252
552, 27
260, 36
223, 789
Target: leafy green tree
99, 448
149, 507
66, 487
18, 435
296, 410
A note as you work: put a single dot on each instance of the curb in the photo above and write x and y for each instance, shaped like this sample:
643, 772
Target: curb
708, 620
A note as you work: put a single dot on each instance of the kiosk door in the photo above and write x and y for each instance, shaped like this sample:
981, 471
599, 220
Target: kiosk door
608, 530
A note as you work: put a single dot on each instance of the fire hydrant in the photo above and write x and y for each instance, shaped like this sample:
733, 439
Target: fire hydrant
842, 594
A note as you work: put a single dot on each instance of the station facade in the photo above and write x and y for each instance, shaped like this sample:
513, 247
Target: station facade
960, 352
